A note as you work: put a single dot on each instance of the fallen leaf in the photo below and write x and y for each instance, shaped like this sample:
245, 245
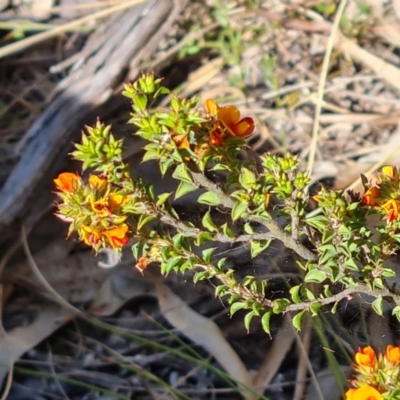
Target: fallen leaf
16, 342
203, 332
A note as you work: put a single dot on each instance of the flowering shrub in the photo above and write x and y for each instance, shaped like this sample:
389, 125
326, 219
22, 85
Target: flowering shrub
377, 376
266, 199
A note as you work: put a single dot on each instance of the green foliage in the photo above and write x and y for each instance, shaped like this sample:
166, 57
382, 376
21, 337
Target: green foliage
253, 196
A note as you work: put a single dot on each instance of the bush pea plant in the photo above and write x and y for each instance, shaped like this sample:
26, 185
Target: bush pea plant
338, 251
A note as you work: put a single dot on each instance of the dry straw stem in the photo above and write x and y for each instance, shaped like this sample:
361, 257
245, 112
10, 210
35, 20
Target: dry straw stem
321, 86
40, 37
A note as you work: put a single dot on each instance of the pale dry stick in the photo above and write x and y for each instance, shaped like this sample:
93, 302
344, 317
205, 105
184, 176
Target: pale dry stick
321, 86
7, 388
42, 280
40, 37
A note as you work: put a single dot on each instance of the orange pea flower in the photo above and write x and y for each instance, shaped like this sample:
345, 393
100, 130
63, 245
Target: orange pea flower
229, 116
67, 181
392, 354
89, 235
365, 357
181, 141
364, 392
97, 182
212, 108
391, 207
370, 196
117, 237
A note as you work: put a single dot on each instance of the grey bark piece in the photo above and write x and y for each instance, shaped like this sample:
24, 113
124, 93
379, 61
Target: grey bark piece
118, 47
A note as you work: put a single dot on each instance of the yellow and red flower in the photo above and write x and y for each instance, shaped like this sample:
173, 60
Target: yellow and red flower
390, 172
370, 197
365, 358
227, 122
365, 392
67, 181
117, 237
392, 354
90, 236
391, 207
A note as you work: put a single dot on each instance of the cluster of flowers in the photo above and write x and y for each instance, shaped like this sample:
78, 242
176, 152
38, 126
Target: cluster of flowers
97, 210
94, 209
224, 123
385, 196
378, 376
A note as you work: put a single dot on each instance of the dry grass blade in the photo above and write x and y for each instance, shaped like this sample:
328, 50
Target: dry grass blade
321, 86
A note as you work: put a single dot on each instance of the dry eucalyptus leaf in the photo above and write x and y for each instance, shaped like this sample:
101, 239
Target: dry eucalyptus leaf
203, 332
16, 342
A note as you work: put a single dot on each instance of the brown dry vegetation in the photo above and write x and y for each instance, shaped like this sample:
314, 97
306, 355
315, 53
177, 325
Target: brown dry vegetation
321, 79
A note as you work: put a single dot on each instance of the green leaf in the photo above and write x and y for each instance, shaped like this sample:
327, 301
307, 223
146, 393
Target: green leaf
315, 275
178, 240
162, 198
164, 164
314, 308
257, 247
248, 228
396, 312
143, 220
184, 188
173, 263
209, 198
294, 292
220, 290
247, 319
334, 308
203, 237
296, 321
350, 264
238, 305
247, 179
238, 210
327, 291
207, 254
221, 263
227, 231
265, 320
309, 294
208, 223
377, 305
182, 173
200, 276
328, 253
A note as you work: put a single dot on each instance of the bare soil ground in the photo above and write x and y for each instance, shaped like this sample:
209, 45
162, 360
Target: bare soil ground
321, 79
